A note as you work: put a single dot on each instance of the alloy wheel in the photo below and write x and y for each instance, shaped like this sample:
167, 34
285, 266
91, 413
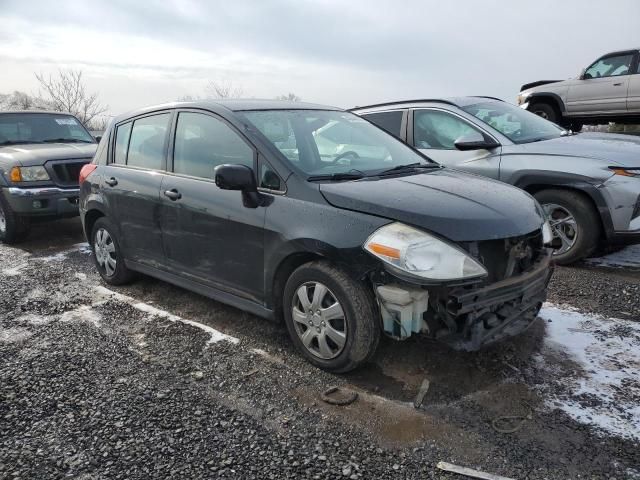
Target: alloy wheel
319, 320
563, 225
542, 114
105, 251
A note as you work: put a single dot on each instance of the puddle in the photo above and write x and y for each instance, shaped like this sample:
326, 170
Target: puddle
628, 257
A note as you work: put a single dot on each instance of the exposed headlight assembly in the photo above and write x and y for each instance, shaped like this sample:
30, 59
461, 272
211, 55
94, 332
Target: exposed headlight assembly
626, 171
29, 174
419, 254
547, 233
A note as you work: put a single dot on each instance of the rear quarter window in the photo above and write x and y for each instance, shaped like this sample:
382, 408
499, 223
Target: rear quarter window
389, 121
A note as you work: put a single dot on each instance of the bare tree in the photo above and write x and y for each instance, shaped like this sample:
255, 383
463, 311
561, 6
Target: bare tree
223, 89
292, 97
20, 101
66, 92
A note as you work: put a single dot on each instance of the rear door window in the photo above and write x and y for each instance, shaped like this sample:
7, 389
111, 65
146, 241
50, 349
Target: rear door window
146, 146
389, 121
203, 142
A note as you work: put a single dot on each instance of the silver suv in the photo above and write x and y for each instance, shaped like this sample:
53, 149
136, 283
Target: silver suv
588, 183
608, 90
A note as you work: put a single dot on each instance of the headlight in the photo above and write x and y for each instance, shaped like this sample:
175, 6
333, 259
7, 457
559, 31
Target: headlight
547, 233
521, 98
626, 171
422, 255
29, 174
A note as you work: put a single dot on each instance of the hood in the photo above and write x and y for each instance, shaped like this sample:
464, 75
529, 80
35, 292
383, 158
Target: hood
527, 86
622, 150
457, 206
39, 153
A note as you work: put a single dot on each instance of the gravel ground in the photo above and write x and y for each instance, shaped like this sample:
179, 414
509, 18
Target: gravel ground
98, 383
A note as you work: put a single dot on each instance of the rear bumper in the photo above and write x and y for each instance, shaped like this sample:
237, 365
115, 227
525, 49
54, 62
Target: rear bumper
43, 201
503, 309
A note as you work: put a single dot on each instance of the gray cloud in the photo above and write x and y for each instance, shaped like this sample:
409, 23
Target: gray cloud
360, 51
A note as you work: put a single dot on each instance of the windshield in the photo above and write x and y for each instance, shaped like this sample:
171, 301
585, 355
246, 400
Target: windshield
515, 123
322, 142
16, 128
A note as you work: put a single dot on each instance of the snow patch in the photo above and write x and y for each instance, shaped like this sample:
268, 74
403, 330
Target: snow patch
14, 271
33, 319
628, 257
14, 335
215, 335
82, 314
83, 247
606, 392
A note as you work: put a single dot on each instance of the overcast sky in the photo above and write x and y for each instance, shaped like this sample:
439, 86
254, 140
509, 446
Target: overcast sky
342, 53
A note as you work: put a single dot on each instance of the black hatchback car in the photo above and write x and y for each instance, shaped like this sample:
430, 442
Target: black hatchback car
314, 215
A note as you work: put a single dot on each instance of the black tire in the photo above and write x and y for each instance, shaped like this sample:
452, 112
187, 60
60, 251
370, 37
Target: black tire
546, 110
361, 318
120, 275
13, 227
575, 127
588, 229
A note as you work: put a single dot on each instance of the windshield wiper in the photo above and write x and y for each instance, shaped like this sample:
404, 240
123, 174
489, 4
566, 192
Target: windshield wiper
409, 166
66, 140
353, 175
18, 142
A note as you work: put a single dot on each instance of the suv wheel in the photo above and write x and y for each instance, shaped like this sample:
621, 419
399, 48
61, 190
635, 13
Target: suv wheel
331, 318
545, 111
108, 255
575, 224
13, 227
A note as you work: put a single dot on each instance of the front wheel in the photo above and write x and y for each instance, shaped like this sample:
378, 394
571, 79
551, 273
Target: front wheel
574, 222
13, 227
331, 318
546, 111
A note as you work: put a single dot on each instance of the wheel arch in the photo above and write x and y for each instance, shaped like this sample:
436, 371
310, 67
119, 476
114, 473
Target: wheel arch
548, 97
587, 190
90, 218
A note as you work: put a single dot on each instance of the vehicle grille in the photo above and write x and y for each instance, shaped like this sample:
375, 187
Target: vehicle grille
507, 257
65, 173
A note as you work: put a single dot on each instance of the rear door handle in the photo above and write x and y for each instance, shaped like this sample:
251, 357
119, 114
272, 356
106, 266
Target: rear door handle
112, 182
617, 84
173, 194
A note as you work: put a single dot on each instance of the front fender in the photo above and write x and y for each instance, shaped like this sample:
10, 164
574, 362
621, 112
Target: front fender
533, 181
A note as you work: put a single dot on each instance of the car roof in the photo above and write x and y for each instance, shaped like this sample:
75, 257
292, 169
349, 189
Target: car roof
454, 101
234, 105
49, 112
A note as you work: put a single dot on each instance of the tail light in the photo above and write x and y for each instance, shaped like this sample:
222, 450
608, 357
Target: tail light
86, 171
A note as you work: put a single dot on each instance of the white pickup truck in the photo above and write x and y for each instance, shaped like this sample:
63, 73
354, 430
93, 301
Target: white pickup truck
608, 90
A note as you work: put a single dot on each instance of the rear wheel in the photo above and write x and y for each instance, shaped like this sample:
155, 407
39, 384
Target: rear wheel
331, 318
574, 222
108, 255
546, 111
13, 227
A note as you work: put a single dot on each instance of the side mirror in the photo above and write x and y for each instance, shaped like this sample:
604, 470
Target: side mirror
475, 141
239, 177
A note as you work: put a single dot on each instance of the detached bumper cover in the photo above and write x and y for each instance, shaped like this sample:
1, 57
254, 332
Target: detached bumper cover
503, 309
43, 201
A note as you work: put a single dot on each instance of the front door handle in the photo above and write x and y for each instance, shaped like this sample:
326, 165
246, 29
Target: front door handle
173, 194
619, 84
112, 182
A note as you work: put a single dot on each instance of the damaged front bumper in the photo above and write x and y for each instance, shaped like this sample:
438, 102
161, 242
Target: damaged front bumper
466, 317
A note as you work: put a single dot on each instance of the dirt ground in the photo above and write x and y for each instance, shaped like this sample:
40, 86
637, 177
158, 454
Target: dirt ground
152, 381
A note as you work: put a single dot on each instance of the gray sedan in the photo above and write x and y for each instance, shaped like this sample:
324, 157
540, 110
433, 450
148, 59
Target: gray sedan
588, 183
